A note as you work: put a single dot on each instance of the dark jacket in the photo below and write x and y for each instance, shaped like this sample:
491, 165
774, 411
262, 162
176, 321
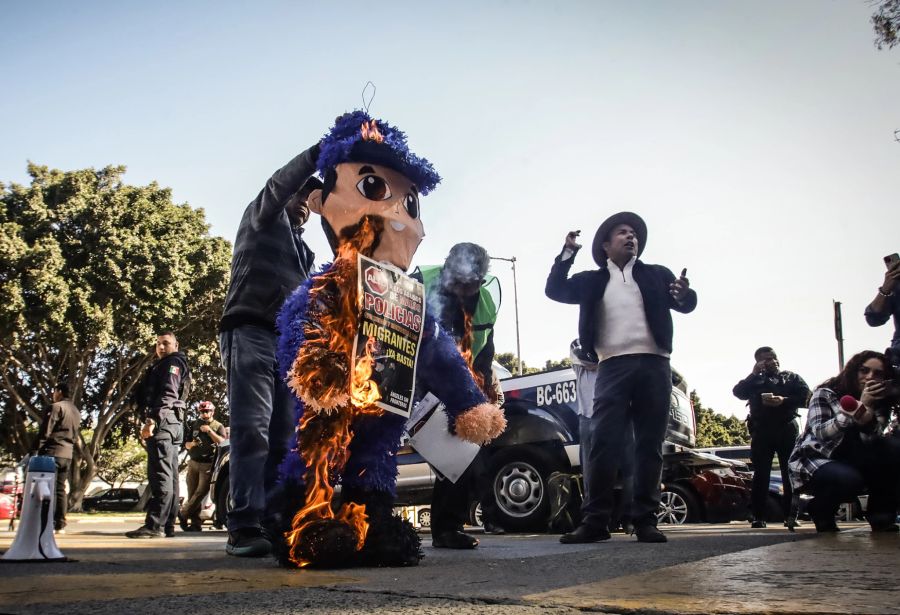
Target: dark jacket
59, 430
586, 289
164, 388
876, 319
784, 384
270, 258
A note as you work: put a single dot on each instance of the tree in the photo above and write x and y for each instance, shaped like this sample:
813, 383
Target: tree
714, 429
511, 362
120, 464
886, 23
90, 270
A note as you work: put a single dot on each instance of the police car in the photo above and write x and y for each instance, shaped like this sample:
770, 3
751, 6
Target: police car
542, 438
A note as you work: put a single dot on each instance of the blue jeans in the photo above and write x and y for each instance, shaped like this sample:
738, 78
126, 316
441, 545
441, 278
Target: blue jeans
632, 392
262, 420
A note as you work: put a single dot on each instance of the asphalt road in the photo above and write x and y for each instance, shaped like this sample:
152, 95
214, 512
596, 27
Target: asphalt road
702, 569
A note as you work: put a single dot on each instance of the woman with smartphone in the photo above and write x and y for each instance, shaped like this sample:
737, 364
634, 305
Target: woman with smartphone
848, 446
886, 304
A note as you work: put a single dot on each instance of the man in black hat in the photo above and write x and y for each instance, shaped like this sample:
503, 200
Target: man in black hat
625, 316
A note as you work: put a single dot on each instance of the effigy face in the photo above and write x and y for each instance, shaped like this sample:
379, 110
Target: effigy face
367, 189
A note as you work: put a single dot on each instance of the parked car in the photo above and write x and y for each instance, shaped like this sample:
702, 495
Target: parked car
542, 438
115, 500
740, 455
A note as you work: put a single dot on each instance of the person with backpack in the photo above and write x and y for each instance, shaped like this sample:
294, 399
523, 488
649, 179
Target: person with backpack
161, 396
205, 435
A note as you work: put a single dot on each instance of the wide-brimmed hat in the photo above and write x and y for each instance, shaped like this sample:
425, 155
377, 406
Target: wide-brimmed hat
623, 217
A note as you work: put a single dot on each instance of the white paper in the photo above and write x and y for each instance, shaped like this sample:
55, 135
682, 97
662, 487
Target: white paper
446, 453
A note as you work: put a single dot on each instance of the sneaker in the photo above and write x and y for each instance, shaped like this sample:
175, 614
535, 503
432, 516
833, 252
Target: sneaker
493, 528
170, 532
649, 533
247, 542
453, 539
143, 532
758, 525
584, 534
182, 522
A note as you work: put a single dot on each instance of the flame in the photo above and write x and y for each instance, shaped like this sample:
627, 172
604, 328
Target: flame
465, 349
370, 132
333, 395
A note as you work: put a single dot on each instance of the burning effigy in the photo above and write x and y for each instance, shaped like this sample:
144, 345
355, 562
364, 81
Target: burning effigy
369, 205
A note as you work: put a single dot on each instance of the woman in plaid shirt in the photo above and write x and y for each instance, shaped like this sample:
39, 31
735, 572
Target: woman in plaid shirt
841, 453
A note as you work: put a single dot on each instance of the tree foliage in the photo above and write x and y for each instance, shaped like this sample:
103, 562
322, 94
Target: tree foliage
510, 361
714, 429
90, 270
886, 23
124, 463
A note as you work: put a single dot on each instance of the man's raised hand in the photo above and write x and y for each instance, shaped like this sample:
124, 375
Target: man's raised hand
572, 240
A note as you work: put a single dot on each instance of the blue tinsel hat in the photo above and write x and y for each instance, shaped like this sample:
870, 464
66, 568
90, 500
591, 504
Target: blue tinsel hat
356, 137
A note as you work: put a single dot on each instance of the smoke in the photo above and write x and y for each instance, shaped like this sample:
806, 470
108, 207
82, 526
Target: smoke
462, 274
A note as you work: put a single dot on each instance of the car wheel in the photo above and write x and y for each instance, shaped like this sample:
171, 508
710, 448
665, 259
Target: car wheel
475, 514
677, 505
424, 517
223, 503
519, 478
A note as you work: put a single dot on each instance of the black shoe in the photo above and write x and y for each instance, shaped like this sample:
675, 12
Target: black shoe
182, 522
453, 539
758, 525
823, 519
143, 532
791, 524
247, 542
170, 532
493, 528
585, 534
194, 528
649, 533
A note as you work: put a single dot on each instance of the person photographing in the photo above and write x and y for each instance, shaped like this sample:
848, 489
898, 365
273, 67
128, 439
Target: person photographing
843, 451
774, 396
206, 434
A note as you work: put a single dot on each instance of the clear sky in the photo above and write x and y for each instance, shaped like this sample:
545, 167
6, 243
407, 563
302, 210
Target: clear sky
755, 138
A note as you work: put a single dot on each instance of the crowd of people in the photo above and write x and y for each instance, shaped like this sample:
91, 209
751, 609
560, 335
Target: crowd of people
849, 444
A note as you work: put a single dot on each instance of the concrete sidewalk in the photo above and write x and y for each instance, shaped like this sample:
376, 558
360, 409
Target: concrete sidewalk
761, 571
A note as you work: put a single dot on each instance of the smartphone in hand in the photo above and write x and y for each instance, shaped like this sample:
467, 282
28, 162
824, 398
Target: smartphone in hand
891, 259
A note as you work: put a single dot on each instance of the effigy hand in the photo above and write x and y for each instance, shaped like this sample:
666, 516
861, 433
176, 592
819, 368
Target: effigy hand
480, 424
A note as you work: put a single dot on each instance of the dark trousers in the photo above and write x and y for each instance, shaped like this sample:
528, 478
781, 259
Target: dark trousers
62, 503
450, 501
765, 443
632, 392
874, 466
162, 476
262, 420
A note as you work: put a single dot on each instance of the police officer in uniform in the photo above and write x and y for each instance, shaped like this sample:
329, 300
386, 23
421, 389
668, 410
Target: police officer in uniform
162, 394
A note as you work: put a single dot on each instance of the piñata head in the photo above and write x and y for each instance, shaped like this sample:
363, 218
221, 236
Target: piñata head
369, 171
